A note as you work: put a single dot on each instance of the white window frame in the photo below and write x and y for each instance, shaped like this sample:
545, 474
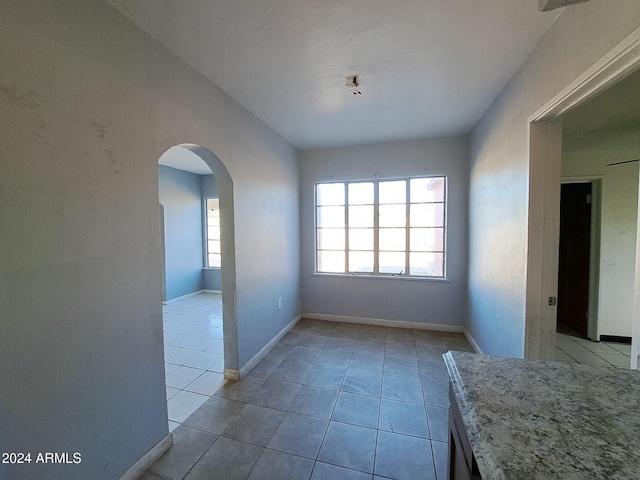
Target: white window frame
207, 253
376, 250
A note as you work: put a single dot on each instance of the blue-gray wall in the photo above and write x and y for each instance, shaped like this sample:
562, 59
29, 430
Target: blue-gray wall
499, 167
209, 186
88, 104
180, 194
410, 300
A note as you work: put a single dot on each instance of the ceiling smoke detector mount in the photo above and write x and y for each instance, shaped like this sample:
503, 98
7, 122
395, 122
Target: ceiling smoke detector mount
353, 82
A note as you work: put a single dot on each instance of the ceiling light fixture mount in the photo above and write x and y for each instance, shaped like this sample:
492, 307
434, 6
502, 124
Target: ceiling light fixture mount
353, 82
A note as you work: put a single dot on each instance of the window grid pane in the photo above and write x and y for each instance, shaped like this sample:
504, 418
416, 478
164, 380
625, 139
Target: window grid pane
392, 215
387, 227
361, 239
392, 192
330, 261
393, 239
425, 190
214, 246
330, 194
330, 217
426, 214
393, 263
427, 264
331, 239
214, 258
426, 239
361, 216
427, 226
360, 261
361, 193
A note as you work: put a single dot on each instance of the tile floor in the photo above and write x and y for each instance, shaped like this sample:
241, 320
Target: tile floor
329, 401
193, 352
578, 350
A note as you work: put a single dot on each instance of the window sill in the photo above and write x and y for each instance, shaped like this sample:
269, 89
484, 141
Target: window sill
382, 277
211, 268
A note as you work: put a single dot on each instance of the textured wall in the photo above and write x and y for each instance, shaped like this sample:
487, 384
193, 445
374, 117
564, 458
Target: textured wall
181, 196
499, 177
88, 103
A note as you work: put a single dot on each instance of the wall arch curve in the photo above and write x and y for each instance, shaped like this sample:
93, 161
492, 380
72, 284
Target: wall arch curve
227, 230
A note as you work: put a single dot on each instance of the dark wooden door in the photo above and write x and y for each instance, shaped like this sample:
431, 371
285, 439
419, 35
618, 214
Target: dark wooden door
573, 272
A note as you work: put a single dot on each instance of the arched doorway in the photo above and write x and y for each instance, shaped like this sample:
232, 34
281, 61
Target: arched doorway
225, 191
189, 152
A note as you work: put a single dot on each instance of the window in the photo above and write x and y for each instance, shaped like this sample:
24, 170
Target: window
214, 258
382, 227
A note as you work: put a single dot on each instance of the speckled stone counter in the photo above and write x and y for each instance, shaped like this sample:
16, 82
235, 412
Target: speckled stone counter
548, 420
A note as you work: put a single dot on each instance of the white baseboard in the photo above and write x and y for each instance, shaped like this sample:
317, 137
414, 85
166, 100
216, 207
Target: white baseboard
472, 342
258, 356
182, 297
192, 294
438, 327
137, 469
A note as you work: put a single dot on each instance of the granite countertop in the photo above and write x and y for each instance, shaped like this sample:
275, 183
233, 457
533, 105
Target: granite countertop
548, 420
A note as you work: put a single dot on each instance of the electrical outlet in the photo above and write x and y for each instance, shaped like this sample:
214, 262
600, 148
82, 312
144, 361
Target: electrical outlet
279, 304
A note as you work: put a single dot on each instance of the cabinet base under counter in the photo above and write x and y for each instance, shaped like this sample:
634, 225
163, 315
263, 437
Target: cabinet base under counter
462, 464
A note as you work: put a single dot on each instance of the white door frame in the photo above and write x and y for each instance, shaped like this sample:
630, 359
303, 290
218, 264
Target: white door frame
545, 136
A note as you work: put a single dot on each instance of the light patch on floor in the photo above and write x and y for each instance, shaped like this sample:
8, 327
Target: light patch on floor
579, 350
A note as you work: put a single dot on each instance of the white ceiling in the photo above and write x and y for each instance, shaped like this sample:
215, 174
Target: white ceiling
615, 109
184, 159
428, 67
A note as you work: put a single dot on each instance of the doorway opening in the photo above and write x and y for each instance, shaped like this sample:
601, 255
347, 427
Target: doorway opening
578, 259
546, 135
198, 269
